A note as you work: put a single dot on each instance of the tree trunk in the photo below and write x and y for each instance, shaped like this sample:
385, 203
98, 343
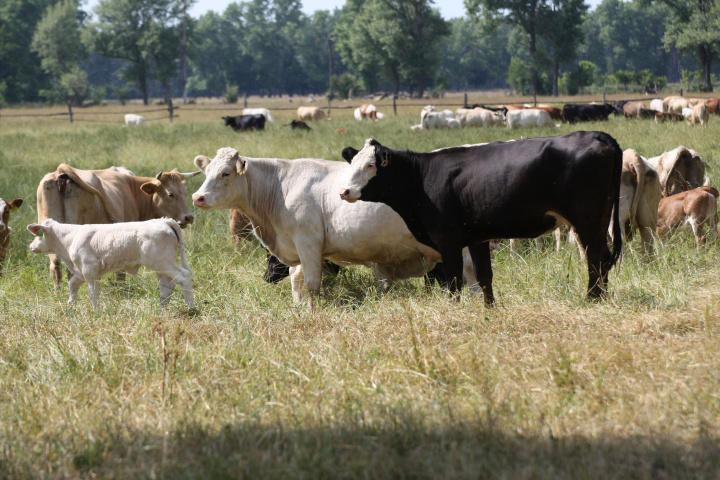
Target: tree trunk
166, 91
183, 55
556, 70
533, 70
421, 87
705, 57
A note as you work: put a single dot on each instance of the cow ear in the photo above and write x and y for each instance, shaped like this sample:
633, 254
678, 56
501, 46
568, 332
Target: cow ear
34, 228
150, 187
384, 158
241, 166
15, 204
201, 161
349, 153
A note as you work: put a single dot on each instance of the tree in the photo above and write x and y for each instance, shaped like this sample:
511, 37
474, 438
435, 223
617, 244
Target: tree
563, 31
128, 29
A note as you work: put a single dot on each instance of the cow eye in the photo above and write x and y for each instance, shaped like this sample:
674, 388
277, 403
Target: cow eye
225, 174
370, 165
171, 195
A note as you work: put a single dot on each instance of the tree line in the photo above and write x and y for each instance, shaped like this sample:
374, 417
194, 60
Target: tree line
153, 48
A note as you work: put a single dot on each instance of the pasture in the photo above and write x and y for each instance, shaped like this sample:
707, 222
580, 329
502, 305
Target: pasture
407, 384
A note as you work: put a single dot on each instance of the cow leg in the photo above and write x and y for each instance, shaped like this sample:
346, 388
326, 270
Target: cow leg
598, 258
93, 290
74, 284
646, 237
297, 282
56, 269
184, 279
480, 254
312, 262
167, 287
698, 229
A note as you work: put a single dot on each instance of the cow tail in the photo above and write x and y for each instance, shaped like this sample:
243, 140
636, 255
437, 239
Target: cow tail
181, 241
617, 231
67, 171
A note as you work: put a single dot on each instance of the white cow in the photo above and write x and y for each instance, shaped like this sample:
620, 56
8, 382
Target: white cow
132, 119
259, 111
90, 251
687, 113
658, 105
529, 118
640, 196
429, 118
453, 123
297, 214
483, 118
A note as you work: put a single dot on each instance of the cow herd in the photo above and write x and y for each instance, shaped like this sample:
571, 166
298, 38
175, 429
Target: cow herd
402, 214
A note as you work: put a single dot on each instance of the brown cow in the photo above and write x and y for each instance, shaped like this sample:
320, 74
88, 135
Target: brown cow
555, 113
697, 207
714, 105
661, 117
700, 114
640, 195
680, 169
633, 110
5, 209
71, 195
240, 226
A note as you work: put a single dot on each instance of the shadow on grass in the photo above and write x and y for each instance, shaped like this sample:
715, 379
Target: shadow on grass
404, 450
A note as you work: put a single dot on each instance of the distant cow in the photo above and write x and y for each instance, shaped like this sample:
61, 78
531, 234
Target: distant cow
6, 208
675, 103
71, 195
467, 196
259, 111
132, 119
528, 118
658, 105
640, 195
661, 117
241, 123
574, 113
299, 125
633, 110
554, 112
364, 111
91, 251
619, 106
714, 105
310, 113
479, 117
700, 114
429, 118
697, 208
679, 170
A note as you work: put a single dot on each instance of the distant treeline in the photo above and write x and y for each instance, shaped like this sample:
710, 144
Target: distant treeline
136, 49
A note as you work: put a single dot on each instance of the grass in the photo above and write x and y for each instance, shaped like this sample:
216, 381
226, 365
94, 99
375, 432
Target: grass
407, 384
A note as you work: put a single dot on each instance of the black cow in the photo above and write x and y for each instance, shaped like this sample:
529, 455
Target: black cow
502, 109
619, 105
586, 113
299, 125
466, 196
245, 122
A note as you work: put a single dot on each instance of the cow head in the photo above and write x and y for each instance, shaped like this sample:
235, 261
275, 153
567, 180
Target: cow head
365, 165
41, 244
221, 177
5, 210
169, 196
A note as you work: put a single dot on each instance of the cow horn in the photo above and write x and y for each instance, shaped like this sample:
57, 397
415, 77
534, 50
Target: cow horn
188, 175
157, 177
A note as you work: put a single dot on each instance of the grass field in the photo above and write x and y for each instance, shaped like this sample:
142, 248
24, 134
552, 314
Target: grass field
407, 384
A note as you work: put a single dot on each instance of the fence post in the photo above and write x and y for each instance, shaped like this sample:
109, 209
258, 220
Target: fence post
604, 98
245, 100
329, 97
535, 98
465, 104
395, 104
681, 92
170, 110
70, 111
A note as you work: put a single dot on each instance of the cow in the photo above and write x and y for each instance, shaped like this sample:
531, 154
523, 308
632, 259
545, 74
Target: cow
479, 117
132, 119
574, 113
241, 123
467, 196
554, 112
364, 111
430, 119
71, 195
658, 105
528, 118
619, 106
634, 110
680, 169
299, 125
6, 208
296, 215
640, 195
240, 227
310, 113
453, 124
661, 117
93, 250
259, 111
675, 104
687, 114
696, 207
700, 113
714, 105
503, 110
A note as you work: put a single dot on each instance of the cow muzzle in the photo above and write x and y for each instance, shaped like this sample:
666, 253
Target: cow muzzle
186, 220
345, 195
200, 202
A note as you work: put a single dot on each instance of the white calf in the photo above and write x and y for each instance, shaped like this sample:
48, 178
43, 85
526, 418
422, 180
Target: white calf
91, 251
132, 119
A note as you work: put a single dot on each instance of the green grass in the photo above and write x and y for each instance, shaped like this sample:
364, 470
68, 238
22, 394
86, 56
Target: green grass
403, 384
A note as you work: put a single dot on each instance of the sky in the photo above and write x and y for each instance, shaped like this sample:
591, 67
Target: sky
448, 8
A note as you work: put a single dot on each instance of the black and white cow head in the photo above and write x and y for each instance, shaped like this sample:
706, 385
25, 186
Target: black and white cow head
368, 177
6, 208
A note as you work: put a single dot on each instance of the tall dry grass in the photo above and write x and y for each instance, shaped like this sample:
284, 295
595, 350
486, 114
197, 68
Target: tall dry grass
407, 384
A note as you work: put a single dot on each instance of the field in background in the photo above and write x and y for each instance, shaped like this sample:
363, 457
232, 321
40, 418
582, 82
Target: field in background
408, 384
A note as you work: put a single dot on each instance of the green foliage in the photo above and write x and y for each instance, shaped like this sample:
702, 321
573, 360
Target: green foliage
622, 77
582, 76
123, 94
231, 94
71, 88
518, 76
57, 38
98, 95
341, 85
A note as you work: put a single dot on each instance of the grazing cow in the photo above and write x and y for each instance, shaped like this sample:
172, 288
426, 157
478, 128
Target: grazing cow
299, 125
259, 111
658, 105
453, 123
619, 106
554, 112
297, 217
132, 119
310, 113
697, 208
633, 110
467, 196
240, 123
662, 117
700, 113
503, 110
687, 114
574, 113
528, 118
364, 111
430, 119
71, 195
680, 169
6, 208
91, 251
675, 104
640, 195
479, 117
714, 105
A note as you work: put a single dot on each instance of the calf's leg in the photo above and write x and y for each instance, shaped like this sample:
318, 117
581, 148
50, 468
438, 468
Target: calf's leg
167, 286
74, 284
482, 265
